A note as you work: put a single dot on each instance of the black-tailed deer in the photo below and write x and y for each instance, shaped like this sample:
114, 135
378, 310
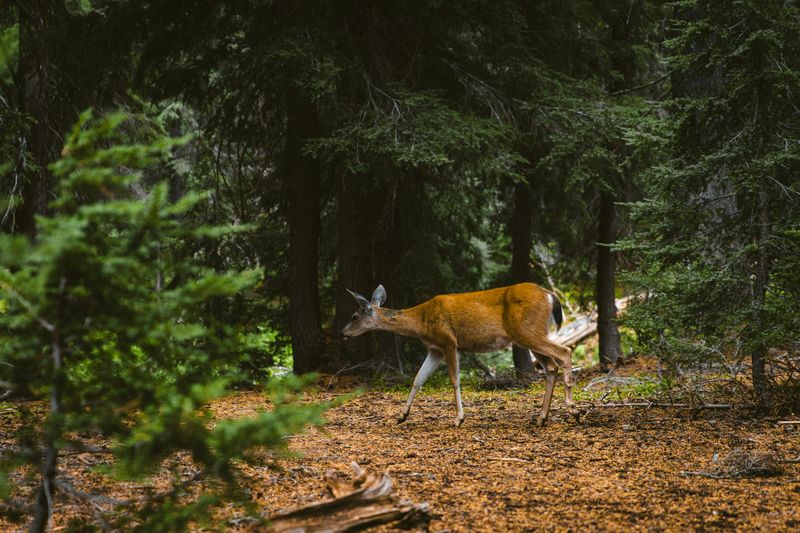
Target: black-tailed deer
481, 321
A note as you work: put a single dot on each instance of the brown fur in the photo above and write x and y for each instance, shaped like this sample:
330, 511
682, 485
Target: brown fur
483, 321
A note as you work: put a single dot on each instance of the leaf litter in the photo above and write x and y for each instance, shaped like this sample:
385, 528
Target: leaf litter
617, 469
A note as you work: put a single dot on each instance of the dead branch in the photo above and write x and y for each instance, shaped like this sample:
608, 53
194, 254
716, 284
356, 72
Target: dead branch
660, 404
551, 283
80, 449
701, 474
94, 498
585, 325
616, 380
353, 505
509, 459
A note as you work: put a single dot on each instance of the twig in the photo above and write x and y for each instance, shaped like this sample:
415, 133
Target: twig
345, 369
701, 474
67, 487
788, 422
615, 380
543, 262
643, 86
661, 404
85, 449
512, 459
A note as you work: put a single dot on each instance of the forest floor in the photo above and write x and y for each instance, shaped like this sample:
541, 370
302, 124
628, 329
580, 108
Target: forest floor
617, 469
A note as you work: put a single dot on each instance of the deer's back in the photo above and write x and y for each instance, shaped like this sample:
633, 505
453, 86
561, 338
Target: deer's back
484, 321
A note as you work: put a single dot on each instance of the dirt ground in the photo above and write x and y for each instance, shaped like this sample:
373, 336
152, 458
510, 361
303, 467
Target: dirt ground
618, 469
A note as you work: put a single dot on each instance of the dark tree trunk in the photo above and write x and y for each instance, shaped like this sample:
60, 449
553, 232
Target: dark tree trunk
355, 238
760, 282
606, 272
303, 211
520, 227
39, 96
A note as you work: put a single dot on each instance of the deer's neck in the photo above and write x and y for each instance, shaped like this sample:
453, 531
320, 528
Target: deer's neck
400, 321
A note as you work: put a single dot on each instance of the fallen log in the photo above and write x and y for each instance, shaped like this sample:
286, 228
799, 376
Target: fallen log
352, 506
584, 325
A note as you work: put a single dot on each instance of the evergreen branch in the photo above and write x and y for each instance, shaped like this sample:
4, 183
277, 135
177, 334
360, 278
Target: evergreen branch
27, 305
643, 86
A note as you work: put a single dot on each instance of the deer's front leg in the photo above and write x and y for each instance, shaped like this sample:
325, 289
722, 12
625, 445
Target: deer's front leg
431, 363
453, 369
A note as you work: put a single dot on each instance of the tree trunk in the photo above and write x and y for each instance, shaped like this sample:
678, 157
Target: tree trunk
520, 228
607, 330
355, 239
760, 282
39, 96
303, 211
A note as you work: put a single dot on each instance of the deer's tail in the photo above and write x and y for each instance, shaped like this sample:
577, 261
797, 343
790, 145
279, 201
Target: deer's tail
558, 314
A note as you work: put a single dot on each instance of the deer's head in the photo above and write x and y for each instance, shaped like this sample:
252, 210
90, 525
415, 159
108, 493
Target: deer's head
365, 318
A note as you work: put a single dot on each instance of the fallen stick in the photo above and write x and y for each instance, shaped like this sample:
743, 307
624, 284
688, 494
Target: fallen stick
703, 474
789, 422
661, 404
511, 459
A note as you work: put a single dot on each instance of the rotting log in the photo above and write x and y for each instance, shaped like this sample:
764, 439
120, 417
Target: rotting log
584, 325
352, 506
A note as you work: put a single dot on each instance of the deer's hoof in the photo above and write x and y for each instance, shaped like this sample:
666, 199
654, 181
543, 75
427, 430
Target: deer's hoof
402, 418
540, 420
459, 421
575, 414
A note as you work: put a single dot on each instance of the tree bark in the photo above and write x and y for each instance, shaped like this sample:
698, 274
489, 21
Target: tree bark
520, 227
760, 282
303, 188
608, 332
39, 96
355, 239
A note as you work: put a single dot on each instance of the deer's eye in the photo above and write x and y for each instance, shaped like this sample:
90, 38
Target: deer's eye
355, 316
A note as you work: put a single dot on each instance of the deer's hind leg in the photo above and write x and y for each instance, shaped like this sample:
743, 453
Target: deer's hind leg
561, 356
550, 369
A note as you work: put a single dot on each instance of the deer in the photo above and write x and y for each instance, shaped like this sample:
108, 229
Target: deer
477, 322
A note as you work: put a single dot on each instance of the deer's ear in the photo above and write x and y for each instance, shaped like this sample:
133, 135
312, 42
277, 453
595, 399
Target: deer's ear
363, 303
379, 296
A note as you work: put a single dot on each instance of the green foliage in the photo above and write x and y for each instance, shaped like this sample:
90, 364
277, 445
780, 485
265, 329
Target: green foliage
102, 314
420, 133
269, 349
9, 50
717, 243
